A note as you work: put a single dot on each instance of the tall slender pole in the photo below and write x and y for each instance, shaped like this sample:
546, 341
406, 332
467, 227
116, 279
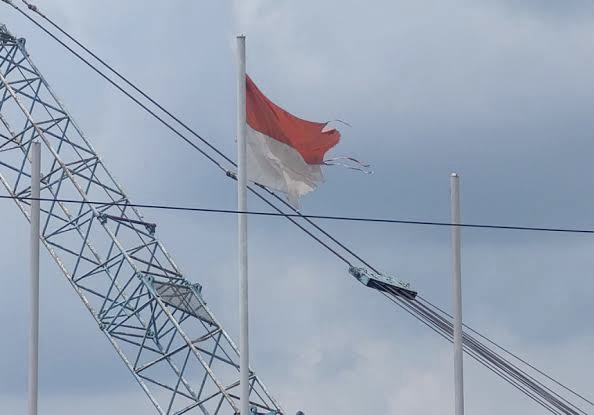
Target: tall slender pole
244, 368
457, 294
34, 279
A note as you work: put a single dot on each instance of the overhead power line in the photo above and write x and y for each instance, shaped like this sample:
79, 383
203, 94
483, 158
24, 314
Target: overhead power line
514, 370
428, 315
253, 189
507, 351
113, 83
304, 216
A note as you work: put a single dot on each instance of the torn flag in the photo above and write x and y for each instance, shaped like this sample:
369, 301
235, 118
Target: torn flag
284, 152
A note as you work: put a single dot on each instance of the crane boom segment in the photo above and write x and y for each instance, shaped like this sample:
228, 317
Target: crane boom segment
156, 320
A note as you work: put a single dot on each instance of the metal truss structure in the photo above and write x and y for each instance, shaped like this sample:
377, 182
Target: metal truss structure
157, 321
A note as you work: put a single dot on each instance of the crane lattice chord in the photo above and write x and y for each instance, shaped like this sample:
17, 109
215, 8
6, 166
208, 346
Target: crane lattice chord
156, 320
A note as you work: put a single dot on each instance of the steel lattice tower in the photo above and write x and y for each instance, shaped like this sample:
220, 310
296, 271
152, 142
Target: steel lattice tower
157, 321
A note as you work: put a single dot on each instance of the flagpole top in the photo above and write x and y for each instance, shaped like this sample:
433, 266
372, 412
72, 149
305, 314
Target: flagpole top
454, 174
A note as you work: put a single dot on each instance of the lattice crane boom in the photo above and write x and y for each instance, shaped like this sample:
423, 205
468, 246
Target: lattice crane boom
156, 320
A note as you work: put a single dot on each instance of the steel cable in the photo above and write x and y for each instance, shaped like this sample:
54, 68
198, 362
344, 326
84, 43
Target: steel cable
427, 316
520, 379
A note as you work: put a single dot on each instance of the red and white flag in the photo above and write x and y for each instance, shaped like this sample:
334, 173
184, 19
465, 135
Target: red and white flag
284, 152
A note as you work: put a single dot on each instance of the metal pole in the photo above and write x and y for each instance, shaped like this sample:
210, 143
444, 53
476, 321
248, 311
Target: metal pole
242, 229
34, 279
457, 294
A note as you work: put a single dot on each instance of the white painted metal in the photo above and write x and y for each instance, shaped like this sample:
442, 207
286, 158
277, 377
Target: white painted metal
114, 268
457, 294
33, 378
242, 229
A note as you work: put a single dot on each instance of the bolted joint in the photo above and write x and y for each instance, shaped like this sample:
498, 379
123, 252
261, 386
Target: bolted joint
151, 228
147, 278
22, 42
197, 287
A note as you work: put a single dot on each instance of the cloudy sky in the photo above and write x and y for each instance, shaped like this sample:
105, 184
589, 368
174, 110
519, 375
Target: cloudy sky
500, 91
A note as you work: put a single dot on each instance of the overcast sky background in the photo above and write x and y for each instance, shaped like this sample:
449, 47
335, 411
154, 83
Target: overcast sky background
500, 91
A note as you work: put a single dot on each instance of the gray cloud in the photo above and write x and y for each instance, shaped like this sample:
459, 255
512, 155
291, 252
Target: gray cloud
500, 92
567, 12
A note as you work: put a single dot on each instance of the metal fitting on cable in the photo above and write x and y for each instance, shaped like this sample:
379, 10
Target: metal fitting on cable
30, 6
33, 8
102, 217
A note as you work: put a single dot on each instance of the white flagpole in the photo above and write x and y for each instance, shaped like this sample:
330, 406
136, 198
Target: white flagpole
244, 368
34, 279
457, 294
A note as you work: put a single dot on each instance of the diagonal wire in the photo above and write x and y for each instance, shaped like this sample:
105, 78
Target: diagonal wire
530, 365
513, 375
196, 147
193, 132
524, 378
405, 305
